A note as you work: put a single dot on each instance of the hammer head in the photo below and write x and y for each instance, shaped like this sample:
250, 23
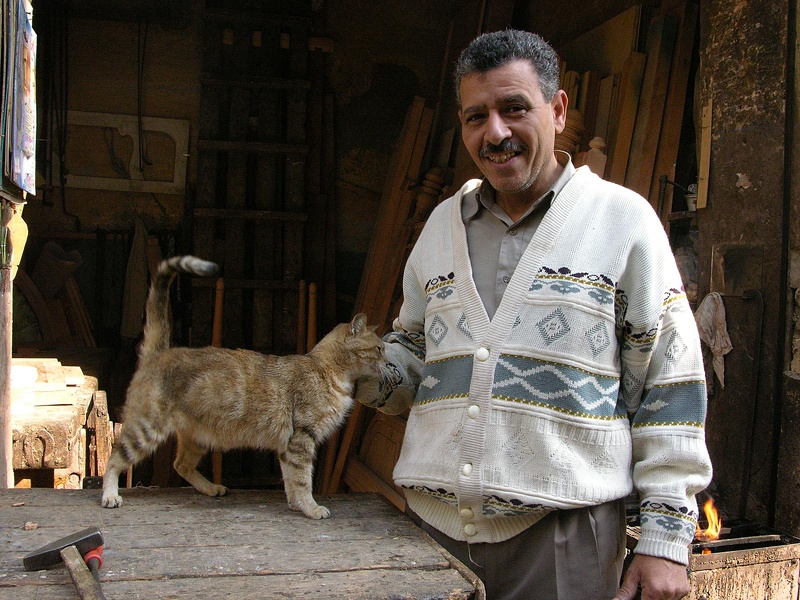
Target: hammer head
50, 555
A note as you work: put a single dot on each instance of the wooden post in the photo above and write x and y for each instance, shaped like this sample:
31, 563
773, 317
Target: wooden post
216, 342
6, 465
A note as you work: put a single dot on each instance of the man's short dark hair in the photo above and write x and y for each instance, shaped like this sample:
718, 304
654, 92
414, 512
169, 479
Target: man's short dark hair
495, 49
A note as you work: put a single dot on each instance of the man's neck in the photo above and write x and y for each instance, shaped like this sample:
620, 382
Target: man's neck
516, 205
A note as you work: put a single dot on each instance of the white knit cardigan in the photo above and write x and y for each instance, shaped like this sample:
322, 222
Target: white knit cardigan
587, 381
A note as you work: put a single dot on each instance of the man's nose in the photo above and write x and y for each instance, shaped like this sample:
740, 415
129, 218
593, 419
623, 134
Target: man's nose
496, 128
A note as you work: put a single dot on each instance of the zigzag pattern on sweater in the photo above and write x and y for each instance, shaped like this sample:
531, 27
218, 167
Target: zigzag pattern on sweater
526, 380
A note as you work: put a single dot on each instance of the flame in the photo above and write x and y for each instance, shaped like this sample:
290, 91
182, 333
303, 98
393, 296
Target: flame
714, 523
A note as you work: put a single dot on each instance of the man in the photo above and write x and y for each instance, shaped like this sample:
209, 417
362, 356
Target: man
549, 357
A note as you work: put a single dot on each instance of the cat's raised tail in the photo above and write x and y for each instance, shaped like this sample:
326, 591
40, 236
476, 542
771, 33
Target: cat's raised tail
158, 324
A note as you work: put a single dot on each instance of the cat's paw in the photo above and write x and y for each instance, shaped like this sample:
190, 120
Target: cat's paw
317, 512
217, 490
111, 501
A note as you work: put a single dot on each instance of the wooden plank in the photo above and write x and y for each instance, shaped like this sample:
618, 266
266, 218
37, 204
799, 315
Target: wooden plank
587, 104
624, 116
605, 98
650, 113
704, 167
669, 142
360, 478
103, 432
367, 549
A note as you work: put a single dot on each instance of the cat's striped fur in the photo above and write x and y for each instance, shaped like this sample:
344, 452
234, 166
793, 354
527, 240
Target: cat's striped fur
216, 398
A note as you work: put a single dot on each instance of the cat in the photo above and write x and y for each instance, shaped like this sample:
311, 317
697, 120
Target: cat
216, 398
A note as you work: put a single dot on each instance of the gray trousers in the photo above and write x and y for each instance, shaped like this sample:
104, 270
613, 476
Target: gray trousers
568, 555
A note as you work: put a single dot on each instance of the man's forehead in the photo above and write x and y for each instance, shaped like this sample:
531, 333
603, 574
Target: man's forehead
515, 79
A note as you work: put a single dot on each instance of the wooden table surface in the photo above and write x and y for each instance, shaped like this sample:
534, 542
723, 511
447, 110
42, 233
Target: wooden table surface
178, 543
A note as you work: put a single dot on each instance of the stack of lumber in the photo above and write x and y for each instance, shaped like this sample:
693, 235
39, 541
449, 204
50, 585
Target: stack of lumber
636, 115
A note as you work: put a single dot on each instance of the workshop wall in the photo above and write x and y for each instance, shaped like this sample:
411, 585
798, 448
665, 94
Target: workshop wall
743, 61
121, 69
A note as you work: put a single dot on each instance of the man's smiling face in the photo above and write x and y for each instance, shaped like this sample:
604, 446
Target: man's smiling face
509, 128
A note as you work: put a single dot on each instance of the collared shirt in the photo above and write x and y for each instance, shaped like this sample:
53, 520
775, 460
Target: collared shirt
496, 243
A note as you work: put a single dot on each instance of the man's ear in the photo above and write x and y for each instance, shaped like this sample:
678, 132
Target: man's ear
559, 105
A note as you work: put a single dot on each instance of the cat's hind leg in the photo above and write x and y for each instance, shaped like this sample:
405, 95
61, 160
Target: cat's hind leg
188, 456
297, 467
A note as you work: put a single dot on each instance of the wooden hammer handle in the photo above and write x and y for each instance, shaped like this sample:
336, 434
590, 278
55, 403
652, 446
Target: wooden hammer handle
82, 577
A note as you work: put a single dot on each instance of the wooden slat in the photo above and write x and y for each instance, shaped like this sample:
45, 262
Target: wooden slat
360, 478
624, 116
704, 168
605, 103
669, 142
650, 113
587, 104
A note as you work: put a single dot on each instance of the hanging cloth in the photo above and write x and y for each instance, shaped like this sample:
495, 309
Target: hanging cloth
711, 323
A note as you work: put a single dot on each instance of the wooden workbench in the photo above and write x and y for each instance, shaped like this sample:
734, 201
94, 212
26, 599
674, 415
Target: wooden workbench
60, 424
178, 543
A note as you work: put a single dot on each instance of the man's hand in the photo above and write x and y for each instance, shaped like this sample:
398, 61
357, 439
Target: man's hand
659, 578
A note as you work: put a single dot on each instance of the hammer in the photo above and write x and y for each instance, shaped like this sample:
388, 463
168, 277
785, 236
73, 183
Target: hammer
76, 551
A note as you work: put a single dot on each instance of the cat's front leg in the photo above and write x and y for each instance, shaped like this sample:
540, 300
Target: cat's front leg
115, 466
297, 467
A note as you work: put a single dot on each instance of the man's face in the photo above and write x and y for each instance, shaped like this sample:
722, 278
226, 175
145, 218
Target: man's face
509, 128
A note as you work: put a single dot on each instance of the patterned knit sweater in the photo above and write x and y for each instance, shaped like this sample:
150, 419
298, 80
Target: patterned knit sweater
588, 380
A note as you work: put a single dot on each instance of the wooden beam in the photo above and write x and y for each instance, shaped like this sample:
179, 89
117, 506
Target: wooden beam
650, 113
704, 169
669, 142
624, 116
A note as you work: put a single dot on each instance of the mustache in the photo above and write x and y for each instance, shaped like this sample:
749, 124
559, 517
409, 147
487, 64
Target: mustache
502, 148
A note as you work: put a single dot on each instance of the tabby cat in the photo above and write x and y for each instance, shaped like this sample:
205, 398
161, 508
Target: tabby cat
215, 398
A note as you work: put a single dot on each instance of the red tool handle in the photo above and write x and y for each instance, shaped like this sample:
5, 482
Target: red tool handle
96, 554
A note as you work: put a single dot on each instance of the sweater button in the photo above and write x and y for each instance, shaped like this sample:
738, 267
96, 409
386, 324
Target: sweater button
482, 354
470, 529
473, 411
467, 469
466, 513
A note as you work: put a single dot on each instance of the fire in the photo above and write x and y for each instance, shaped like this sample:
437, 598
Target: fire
714, 523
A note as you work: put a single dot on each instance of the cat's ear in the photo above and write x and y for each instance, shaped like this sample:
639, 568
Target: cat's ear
358, 324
